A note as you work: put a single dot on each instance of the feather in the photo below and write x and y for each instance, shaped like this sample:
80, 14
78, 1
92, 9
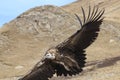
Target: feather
74, 47
88, 32
41, 72
79, 19
89, 14
83, 15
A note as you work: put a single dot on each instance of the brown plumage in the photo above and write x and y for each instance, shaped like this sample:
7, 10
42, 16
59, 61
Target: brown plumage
68, 58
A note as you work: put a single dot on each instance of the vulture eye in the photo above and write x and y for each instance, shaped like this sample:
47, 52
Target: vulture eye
48, 55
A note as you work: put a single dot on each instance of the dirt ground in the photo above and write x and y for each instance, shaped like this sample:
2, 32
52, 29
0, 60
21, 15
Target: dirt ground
21, 50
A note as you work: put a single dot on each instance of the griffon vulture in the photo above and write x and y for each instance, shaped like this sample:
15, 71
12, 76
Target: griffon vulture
68, 57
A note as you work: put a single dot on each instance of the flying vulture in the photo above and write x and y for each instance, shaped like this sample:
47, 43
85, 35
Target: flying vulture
68, 57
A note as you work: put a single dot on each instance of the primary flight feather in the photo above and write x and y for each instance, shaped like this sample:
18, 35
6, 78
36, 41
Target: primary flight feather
68, 57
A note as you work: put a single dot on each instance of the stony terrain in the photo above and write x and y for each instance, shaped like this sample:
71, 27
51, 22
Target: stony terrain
24, 40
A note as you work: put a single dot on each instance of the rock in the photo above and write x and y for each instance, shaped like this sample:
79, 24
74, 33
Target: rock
19, 67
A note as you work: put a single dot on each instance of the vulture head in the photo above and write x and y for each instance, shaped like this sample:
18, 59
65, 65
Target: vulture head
51, 54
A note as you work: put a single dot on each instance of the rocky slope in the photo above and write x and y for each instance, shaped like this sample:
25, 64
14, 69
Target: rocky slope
24, 40
112, 7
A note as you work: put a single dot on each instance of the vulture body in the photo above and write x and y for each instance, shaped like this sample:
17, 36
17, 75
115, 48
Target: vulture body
68, 57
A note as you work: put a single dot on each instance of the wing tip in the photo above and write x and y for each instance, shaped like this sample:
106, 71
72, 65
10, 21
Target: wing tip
93, 15
79, 19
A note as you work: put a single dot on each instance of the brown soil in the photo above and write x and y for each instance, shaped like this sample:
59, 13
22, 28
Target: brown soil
24, 40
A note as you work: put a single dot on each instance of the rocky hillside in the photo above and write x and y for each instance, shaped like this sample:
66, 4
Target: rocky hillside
24, 40
112, 7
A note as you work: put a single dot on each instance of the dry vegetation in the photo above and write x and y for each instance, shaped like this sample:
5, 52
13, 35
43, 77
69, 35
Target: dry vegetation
25, 39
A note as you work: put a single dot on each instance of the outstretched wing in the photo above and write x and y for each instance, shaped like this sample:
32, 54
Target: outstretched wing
71, 63
74, 46
42, 71
88, 32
